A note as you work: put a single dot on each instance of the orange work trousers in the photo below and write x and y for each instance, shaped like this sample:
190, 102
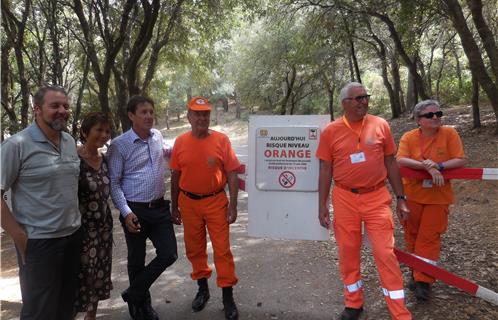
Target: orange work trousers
423, 232
209, 212
374, 210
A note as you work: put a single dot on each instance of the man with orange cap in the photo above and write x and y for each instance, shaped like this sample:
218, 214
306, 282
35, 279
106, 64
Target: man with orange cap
203, 162
357, 151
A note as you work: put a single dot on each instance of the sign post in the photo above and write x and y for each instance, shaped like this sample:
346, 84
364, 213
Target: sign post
282, 177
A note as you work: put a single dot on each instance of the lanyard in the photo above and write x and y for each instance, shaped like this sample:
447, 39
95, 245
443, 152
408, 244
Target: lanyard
346, 122
421, 143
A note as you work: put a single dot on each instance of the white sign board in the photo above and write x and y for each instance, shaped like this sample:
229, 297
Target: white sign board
283, 184
285, 158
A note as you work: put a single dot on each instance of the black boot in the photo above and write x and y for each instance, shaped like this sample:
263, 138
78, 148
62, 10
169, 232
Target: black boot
136, 310
231, 312
202, 296
351, 313
412, 284
422, 290
149, 312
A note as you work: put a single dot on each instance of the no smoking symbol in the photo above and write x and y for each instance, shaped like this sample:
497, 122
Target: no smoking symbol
287, 179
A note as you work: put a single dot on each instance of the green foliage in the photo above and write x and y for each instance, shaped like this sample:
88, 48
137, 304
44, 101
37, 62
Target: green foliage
284, 56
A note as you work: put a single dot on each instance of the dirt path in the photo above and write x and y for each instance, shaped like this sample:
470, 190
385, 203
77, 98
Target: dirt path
300, 279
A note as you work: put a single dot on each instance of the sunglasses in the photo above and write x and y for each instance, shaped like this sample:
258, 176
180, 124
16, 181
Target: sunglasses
359, 98
430, 115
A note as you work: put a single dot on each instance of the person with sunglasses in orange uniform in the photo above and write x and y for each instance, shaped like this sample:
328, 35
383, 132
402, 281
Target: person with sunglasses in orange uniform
203, 162
433, 148
357, 152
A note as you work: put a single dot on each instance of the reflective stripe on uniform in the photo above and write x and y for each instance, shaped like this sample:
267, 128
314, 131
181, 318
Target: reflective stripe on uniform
394, 294
433, 262
355, 286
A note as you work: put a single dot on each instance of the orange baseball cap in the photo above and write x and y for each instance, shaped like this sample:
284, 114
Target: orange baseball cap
199, 104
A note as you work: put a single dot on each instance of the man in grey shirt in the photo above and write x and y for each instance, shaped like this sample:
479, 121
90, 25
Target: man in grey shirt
41, 167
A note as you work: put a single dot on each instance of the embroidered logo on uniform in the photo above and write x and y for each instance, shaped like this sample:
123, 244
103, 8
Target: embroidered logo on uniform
200, 101
211, 161
370, 141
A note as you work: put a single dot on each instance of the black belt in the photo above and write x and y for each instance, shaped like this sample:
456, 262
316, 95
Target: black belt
153, 204
196, 196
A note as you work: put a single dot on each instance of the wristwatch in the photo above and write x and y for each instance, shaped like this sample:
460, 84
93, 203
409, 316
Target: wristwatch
401, 197
440, 166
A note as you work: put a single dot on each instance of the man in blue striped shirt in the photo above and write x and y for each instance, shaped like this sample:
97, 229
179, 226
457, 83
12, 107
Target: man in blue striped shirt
137, 165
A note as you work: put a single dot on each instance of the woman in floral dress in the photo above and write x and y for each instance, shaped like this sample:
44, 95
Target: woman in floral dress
96, 220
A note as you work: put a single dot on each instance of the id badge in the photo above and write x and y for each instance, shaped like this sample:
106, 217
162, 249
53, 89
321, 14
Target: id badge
357, 157
427, 183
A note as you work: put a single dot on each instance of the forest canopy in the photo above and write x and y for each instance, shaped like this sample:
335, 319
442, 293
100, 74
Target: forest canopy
281, 57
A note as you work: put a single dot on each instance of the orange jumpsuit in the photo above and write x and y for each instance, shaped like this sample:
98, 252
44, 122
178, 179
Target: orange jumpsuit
203, 164
428, 204
338, 143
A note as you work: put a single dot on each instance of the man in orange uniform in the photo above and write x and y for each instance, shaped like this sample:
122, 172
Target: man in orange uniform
433, 148
203, 161
358, 152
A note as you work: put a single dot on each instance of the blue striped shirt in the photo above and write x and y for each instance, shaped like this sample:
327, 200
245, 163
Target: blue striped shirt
137, 169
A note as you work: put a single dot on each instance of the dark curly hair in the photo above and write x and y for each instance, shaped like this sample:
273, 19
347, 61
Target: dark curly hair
90, 120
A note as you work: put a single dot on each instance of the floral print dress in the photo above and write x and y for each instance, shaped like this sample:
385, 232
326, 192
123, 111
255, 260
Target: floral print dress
96, 222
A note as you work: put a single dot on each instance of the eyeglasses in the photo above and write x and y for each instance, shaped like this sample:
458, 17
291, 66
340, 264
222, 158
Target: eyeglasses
359, 99
430, 115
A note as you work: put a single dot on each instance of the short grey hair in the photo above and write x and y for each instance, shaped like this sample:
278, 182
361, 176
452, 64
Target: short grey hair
422, 105
39, 96
345, 90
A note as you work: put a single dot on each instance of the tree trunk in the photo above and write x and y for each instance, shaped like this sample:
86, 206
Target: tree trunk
418, 82
149, 18
102, 76
457, 66
440, 72
15, 30
381, 53
355, 60
351, 68
429, 70
81, 90
160, 42
237, 106
5, 87
215, 112
330, 94
52, 23
476, 119
485, 32
395, 108
472, 52
398, 94
189, 94
166, 118
410, 93
289, 86
121, 99
224, 101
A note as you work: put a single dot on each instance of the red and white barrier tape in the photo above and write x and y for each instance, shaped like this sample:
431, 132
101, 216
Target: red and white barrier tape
460, 173
421, 265
447, 277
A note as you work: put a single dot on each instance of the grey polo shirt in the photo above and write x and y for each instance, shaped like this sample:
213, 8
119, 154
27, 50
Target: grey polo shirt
44, 183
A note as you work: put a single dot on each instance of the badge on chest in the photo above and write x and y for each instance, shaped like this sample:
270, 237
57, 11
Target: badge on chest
427, 183
357, 157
